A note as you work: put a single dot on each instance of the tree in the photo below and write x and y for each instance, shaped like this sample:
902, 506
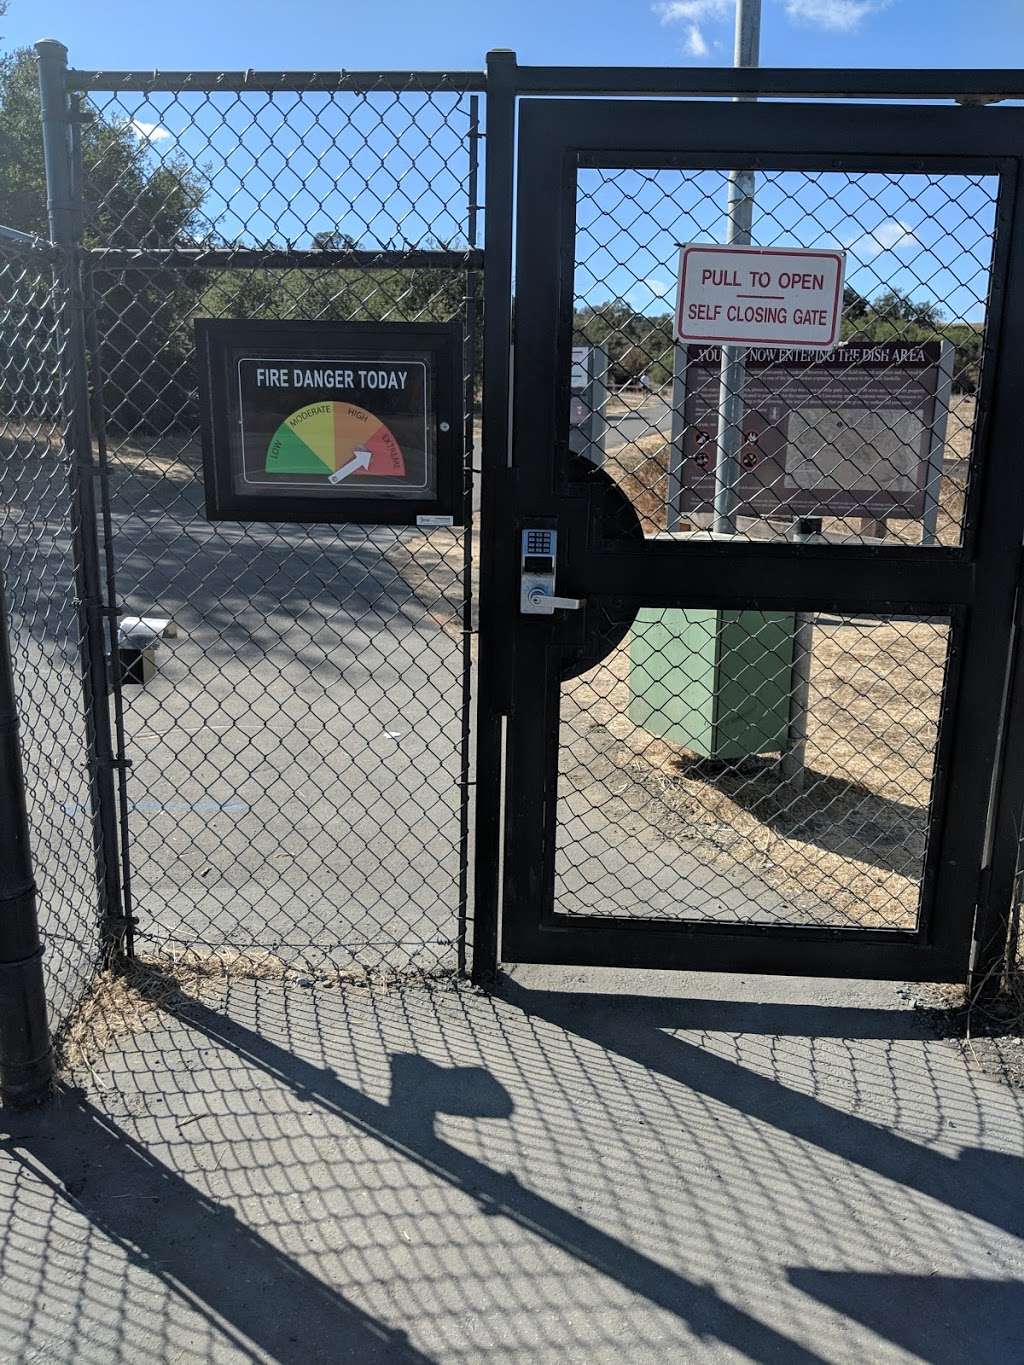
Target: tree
893, 315
132, 202
339, 293
636, 343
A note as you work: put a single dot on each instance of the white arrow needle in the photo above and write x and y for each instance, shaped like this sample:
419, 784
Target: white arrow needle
360, 460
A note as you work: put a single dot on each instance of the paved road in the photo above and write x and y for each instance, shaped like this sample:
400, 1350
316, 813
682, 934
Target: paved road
296, 760
650, 418
637, 1169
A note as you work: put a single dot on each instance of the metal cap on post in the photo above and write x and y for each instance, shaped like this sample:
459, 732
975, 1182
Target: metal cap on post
26, 1057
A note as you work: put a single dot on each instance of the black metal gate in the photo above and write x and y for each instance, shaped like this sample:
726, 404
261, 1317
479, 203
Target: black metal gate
781, 732
653, 811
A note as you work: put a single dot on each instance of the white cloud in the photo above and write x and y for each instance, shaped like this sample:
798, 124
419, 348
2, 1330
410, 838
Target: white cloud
696, 44
149, 132
694, 14
658, 287
841, 16
888, 236
693, 11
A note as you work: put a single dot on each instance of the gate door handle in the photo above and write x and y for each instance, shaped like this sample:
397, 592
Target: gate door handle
546, 603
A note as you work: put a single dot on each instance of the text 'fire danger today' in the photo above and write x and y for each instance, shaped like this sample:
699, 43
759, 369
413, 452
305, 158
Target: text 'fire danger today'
296, 377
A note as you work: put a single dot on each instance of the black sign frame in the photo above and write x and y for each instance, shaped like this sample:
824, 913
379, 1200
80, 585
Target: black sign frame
218, 343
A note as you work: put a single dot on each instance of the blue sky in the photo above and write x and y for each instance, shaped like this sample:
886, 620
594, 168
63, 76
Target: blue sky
286, 175
456, 33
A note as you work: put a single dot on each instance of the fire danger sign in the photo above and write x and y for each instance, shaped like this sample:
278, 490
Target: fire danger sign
333, 422
764, 296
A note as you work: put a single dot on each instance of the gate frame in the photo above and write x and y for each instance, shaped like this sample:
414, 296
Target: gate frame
503, 83
64, 89
498, 589
97, 610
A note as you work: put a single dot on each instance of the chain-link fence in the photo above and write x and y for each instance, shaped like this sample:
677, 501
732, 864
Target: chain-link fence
294, 752
37, 559
751, 766
299, 759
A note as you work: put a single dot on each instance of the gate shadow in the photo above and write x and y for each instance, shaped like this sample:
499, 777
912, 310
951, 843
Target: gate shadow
194, 1245
980, 1183
420, 1092
202, 1250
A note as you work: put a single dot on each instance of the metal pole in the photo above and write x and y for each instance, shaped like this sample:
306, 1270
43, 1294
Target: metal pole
497, 552
468, 482
733, 367
937, 445
65, 229
793, 764
111, 632
26, 1058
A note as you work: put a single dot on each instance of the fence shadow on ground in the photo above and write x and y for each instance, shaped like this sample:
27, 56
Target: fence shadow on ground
283, 1171
833, 813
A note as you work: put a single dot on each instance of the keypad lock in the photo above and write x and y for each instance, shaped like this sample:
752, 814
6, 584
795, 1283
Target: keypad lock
539, 553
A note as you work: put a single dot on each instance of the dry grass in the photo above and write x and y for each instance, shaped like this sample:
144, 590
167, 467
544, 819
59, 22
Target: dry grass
853, 839
641, 469
125, 1002
987, 1024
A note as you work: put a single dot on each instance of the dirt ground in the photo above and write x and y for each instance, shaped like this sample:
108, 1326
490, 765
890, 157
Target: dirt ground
846, 849
853, 839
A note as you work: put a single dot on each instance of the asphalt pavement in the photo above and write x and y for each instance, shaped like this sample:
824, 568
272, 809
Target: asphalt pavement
585, 1167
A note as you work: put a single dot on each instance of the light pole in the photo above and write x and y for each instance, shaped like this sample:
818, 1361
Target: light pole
733, 367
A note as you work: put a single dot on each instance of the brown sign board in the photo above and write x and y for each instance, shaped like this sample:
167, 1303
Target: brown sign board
855, 431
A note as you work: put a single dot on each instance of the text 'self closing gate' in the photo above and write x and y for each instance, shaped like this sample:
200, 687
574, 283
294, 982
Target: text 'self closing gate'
753, 725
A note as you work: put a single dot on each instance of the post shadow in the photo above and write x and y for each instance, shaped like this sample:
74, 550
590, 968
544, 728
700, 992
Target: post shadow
942, 1319
199, 1248
421, 1091
837, 814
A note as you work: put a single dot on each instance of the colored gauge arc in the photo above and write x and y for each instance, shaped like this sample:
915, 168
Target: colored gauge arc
340, 440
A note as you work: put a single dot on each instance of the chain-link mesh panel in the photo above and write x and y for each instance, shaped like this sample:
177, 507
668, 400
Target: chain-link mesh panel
298, 779
873, 438
386, 169
754, 766
37, 563
678, 796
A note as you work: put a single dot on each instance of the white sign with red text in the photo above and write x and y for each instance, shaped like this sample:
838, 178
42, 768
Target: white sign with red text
763, 296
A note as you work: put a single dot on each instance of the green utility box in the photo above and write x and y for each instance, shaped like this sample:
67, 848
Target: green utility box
715, 682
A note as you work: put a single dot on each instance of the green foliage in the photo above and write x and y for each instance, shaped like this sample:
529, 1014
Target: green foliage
338, 294
132, 202
636, 343
895, 316
639, 343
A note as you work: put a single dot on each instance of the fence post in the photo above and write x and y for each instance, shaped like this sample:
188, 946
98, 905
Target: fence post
996, 927
65, 228
26, 1058
496, 561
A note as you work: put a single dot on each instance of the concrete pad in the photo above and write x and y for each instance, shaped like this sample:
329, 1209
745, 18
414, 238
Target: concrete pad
639, 1168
